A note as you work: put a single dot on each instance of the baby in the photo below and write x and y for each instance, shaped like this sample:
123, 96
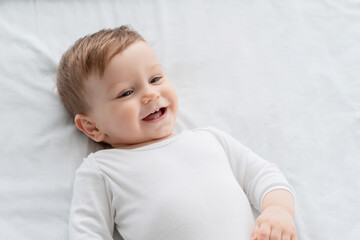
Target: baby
150, 183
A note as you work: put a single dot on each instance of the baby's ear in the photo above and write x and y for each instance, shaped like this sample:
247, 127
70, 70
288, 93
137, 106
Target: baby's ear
87, 126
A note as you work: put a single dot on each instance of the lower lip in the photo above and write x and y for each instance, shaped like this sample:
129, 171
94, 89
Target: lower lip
159, 118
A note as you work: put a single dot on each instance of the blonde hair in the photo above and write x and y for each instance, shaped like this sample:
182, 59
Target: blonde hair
88, 55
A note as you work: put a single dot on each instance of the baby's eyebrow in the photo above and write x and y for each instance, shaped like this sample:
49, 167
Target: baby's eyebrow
112, 86
157, 65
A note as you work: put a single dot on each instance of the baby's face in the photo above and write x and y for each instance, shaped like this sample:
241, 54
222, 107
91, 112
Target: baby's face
134, 102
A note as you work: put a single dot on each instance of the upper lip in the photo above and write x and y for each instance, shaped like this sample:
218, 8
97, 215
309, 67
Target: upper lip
150, 112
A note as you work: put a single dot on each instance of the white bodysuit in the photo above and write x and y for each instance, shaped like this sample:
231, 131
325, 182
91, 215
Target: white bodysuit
193, 186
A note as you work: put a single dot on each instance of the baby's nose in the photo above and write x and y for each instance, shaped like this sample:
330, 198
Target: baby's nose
150, 96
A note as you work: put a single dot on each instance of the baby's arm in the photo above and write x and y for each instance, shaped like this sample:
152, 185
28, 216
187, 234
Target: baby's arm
258, 177
277, 218
91, 215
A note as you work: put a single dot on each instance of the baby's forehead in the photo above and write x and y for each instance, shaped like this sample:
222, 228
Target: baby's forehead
139, 58
121, 74
136, 59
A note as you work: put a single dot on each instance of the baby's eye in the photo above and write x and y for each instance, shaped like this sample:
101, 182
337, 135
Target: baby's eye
155, 79
127, 93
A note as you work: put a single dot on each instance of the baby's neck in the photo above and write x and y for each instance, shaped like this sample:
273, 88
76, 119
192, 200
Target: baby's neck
142, 144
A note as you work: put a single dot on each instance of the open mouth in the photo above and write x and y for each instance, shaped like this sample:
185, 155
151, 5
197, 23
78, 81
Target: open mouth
155, 115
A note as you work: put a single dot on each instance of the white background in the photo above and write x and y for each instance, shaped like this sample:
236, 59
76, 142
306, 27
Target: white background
281, 76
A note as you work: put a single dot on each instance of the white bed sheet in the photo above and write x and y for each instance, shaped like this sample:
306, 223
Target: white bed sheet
283, 77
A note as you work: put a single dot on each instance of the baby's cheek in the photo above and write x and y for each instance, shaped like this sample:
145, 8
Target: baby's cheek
128, 120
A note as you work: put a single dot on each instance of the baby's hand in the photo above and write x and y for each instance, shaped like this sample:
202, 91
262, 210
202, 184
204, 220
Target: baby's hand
274, 223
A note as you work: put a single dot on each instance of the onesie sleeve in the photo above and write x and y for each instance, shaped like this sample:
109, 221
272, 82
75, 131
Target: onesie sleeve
91, 215
255, 175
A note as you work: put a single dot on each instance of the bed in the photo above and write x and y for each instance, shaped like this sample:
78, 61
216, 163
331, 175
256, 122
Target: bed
283, 77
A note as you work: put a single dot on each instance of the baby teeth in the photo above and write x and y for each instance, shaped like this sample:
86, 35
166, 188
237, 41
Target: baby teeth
156, 110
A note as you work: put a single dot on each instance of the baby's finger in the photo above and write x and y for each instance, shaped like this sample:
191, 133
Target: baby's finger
275, 234
264, 232
286, 236
255, 232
